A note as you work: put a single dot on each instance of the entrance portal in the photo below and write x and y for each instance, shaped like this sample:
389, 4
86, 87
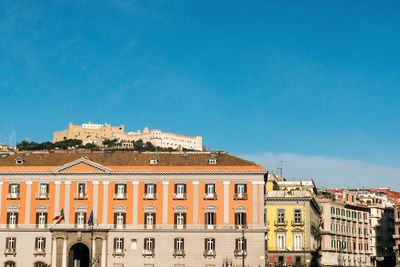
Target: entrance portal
78, 256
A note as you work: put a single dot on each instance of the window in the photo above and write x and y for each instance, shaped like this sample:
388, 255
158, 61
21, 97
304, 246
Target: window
348, 214
180, 191
80, 219
333, 245
119, 219
149, 218
332, 210
11, 244
212, 161
179, 246
150, 191
41, 219
180, 220
13, 191
240, 192
210, 192
240, 246
12, 219
343, 213
366, 247
118, 245
240, 219
81, 191
43, 191
298, 241
120, 191
297, 217
149, 243
337, 211
210, 219
360, 246
133, 243
280, 217
210, 244
281, 241
40, 245
153, 161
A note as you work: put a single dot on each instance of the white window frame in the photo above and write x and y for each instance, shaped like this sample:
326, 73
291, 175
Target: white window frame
120, 219
150, 189
11, 243
120, 190
210, 244
43, 189
118, 244
180, 220
180, 189
210, 189
179, 243
298, 241
281, 241
240, 189
42, 219
80, 221
149, 244
149, 219
40, 243
12, 220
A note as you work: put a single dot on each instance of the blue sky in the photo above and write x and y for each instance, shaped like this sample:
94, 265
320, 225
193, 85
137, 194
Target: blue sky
284, 80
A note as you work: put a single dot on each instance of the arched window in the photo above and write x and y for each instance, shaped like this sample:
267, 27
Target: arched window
9, 264
332, 210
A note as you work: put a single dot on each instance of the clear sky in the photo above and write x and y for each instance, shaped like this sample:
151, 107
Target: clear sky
312, 83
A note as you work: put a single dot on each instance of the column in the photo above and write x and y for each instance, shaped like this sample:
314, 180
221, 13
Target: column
57, 197
105, 201
226, 202
64, 253
165, 203
261, 201
28, 202
103, 254
66, 205
1, 192
254, 185
54, 252
95, 199
135, 203
195, 202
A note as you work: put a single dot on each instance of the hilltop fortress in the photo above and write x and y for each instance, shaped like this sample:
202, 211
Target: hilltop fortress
97, 133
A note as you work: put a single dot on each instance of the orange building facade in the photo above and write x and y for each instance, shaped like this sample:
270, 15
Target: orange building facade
149, 209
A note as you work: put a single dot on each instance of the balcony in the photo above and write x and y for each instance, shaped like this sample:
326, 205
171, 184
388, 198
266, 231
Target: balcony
179, 253
210, 196
39, 252
179, 196
240, 196
10, 251
149, 196
148, 253
13, 196
209, 253
42, 196
280, 223
240, 253
80, 196
120, 196
298, 223
118, 252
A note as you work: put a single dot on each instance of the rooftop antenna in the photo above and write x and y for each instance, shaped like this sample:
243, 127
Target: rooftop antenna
279, 168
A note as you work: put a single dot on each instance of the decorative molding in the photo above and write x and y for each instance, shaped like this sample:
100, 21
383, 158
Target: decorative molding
28, 182
13, 208
226, 182
57, 182
210, 208
135, 182
280, 230
81, 207
195, 182
180, 208
298, 230
150, 208
120, 208
67, 182
106, 182
95, 182
42, 208
240, 208
165, 182
82, 161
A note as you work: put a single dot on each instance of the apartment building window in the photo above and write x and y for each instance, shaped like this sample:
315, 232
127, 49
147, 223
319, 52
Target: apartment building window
332, 210
13, 191
297, 217
338, 211
80, 219
281, 241
179, 246
366, 247
149, 246
280, 220
343, 213
240, 247
209, 244
240, 192
354, 245
150, 219
12, 219
365, 231
210, 219
40, 245
81, 191
240, 219
359, 231
298, 241
119, 220
180, 191
348, 214
118, 245
360, 246
150, 191
210, 192
120, 192
43, 191
180, 220
41, 219
11, 244
333, 245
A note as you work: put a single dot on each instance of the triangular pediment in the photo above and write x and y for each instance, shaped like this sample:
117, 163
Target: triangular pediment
82, 165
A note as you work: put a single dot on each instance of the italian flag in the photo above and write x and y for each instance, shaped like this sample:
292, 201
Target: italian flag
59, 217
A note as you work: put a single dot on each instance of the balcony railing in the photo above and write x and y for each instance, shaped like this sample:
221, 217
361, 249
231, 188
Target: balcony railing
120, 196
280, 223
209, 253
80, 196
118, 253
148, 253
298, 223
240, 196
147, 196
39, 252
179, 253
179, 196
10, 251
13, 196
42, 196
239, 253
210, 196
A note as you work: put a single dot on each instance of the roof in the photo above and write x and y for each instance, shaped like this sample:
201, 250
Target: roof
126, 158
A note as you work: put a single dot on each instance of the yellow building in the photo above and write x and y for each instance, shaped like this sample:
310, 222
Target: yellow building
292, 216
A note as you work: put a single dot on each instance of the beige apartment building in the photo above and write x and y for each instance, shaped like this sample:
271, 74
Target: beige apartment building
149, 209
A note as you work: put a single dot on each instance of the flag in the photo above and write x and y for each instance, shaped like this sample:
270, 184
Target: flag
59, 217
91, 218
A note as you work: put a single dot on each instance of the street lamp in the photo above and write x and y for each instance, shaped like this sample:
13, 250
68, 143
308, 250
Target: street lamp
242, 228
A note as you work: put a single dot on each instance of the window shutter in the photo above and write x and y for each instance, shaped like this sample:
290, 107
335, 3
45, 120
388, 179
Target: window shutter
8, 218
214, 243
155, 189
205, 218
76, 217
37, 217
45, 218
205, 188
175, 219
205, 243
36, 243
154, 218
124, 217
9, 188
7, 242
236, 218
237, 243
236, 188
115, 218
154, 243
16, 218
115, 243
175, 188
244, 219
184, 218
145, 243
47, 188
122, 239
175, 243
184, 188
15, 243
18, 188
125, 191
145, 188
214, 218
84, 218
245, 188
183, 243
116, 188
245, 244
44, 242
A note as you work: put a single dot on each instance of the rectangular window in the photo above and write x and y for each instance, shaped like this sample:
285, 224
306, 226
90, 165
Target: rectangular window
43, 191
40, 244
240, 192
240, 219
210, 219
12, 219
150, 219
118, 245
119, 220
179, 244
120, 191
281, 217
41, 219
81, 191
298, 241
150, 191
133, 243
180, 220
297, 217
11, 244
180, 191
80, 219
13, 191
281, 241
210, 192
209, 244
149, 243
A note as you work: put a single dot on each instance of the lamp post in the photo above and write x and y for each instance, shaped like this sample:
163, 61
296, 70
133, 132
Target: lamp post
242, 228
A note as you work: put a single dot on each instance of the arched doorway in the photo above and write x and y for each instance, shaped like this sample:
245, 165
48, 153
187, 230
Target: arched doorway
79, 255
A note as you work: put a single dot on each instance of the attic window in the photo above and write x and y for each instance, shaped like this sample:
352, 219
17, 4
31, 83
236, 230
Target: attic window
27, 154
212, 161
19, 161
157, 154
108, 153
153, 161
